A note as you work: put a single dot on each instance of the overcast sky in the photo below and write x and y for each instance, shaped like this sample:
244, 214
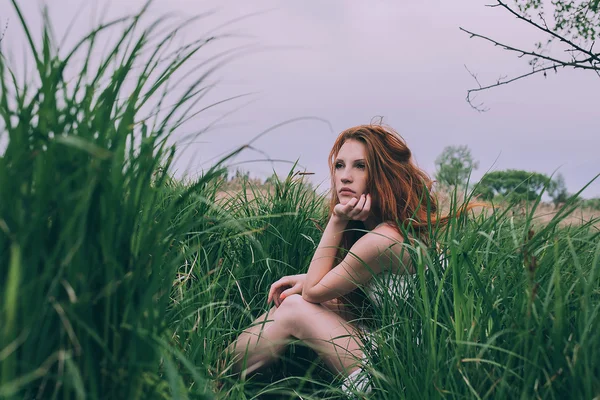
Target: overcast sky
347, 61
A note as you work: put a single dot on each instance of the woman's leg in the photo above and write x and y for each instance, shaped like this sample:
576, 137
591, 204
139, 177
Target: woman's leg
260, 344
331, 336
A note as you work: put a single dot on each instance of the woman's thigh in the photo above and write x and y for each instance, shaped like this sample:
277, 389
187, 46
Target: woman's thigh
253, 333
260, 323
321, 326
333, 337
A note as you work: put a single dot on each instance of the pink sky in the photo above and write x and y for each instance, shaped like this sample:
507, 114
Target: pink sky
347, 61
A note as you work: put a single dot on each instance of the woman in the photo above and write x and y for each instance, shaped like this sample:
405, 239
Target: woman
376, 189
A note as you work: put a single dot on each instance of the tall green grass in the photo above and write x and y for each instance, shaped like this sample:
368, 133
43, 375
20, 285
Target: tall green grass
507, 312
90, 219
496, 309
253, 238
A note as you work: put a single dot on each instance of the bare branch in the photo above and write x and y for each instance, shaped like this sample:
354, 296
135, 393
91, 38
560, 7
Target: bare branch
541, 15
578, 57
575, 64
500, 82
477, 107
548, 31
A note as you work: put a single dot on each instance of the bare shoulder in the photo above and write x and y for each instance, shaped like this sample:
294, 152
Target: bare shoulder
386, 234
393, 249
384, 248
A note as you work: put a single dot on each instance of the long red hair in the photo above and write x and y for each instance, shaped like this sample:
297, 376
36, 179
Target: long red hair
400, 190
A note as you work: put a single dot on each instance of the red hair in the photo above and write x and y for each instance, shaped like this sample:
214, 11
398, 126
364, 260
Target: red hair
400, 190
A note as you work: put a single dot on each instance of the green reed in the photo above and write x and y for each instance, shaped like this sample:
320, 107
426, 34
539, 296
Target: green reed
90, 226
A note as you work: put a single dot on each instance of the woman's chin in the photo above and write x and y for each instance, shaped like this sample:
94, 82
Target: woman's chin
345, 199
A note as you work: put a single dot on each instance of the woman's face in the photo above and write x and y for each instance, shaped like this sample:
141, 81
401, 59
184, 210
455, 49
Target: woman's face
350, 174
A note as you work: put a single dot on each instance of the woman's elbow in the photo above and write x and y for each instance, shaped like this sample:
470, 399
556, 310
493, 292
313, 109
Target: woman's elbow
308, 296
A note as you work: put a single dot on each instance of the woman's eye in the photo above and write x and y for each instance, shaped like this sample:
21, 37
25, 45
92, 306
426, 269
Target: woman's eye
360, 166
338, 166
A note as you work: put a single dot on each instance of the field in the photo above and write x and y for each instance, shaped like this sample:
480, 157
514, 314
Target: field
120, 282
544, 213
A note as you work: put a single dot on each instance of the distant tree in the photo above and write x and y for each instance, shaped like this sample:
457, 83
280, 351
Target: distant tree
574, 24
558, 190
512, 185
454, 165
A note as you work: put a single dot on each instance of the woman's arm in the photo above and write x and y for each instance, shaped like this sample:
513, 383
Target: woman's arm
371, 254
324, 258
325, 280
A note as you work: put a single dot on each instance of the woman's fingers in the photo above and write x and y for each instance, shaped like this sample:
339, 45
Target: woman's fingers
272, 290
274, 295
359, 206
292, 284
347, 209
277, 284
296, 289
356, 208
277, 297
364, 213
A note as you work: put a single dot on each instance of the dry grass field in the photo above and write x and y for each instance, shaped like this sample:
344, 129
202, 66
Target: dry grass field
543, 213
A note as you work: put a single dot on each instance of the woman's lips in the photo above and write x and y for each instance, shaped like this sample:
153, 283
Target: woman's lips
346, 192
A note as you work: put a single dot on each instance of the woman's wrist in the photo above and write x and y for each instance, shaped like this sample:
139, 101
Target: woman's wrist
336, 227
337, 220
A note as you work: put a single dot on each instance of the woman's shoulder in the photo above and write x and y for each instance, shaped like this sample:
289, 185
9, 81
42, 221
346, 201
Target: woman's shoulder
389, 238
385, 235
388, 228
391, 228
389, 224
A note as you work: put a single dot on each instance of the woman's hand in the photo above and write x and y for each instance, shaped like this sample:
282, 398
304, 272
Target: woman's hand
285, 287
355, 209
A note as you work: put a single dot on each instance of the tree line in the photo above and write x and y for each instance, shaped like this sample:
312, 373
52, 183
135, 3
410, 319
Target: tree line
455, 164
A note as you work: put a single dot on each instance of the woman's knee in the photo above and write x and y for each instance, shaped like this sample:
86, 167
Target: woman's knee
292, 310
290, 305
